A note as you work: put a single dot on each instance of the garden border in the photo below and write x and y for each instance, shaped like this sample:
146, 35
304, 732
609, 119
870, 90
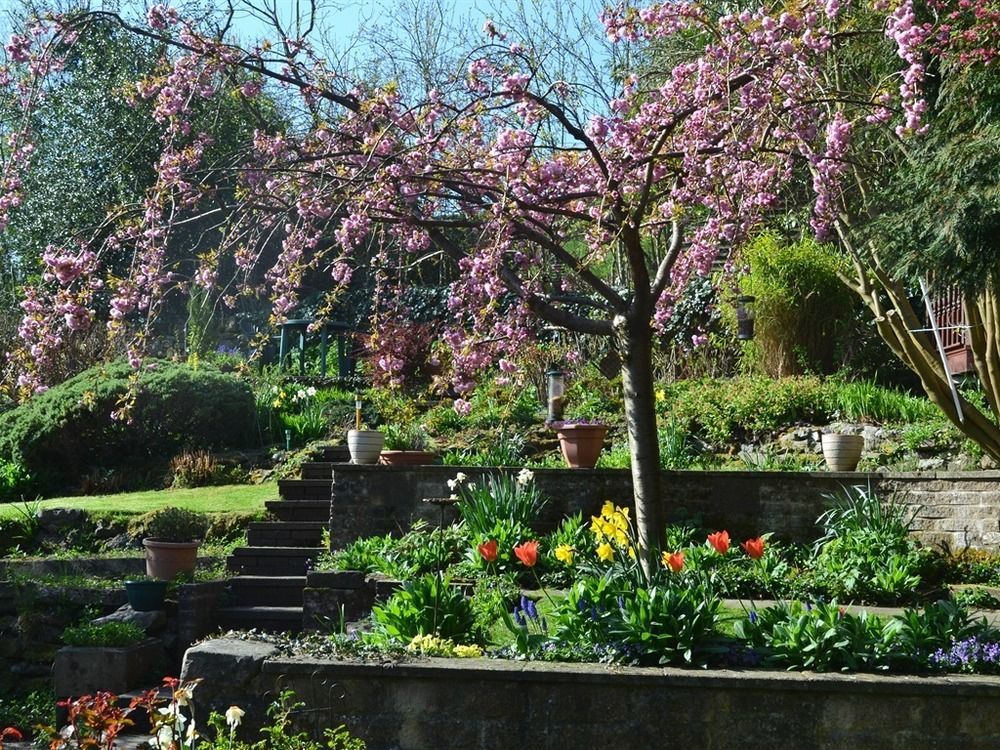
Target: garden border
459, 703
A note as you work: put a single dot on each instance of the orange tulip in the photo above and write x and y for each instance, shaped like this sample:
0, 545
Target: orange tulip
527, 553
488, 550
673, 560
719, 541
754, 547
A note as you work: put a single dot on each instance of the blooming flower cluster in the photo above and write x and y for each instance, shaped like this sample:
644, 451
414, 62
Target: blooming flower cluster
969, 655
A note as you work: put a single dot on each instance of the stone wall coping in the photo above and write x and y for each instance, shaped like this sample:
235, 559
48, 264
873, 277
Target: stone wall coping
553, 672
852, 476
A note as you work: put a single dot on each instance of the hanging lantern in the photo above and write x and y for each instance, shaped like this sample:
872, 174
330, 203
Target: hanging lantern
557, 390
745, 316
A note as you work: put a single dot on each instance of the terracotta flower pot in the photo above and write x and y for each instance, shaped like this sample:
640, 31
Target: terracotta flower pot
165, 560
407, 458
581, 444
842, 452
365, 445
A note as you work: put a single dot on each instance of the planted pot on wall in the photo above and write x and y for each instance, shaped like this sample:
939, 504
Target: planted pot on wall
365, 446
581, 444
166, 560
842, 452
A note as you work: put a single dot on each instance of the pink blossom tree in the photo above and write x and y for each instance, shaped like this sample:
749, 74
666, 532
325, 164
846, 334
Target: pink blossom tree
667, 176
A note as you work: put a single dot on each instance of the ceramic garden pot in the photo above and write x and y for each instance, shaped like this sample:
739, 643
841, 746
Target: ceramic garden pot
365, 445
165, 560
842, 452
146, 596
581, 444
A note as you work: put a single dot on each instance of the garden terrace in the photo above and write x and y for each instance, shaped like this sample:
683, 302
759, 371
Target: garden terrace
470, 702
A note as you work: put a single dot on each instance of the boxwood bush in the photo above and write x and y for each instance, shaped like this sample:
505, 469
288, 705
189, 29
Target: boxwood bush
69, 431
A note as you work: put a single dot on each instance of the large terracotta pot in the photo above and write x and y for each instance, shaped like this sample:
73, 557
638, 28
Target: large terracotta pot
581, 444
365, 445
165, 560
407, 458
842, 452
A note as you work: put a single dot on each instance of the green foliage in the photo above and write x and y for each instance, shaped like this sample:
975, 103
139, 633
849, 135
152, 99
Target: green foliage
64, 433
15, 481
492, 599
170, 525
975, 598
503, 448
677, 449
800, 303
421, 550
406, 437
427, 605
671, 621
25, 710
866, 550
111, 634
515, 502
865, 401
821, 637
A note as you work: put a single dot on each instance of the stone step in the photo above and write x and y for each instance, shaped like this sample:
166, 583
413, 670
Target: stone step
276, 591
337, 454
297, 490
268, 619
285, 533
317, 470
272, 561
303, 510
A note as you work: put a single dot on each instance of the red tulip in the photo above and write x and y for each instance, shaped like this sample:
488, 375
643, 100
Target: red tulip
488, 550
754, 547
674, 561
12, 734
527, 553
719, 541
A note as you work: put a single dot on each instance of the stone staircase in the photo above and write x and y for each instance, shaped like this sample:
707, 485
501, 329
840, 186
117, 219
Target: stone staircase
266, 592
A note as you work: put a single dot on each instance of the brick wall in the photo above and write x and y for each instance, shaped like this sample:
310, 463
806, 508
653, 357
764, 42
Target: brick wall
958, 509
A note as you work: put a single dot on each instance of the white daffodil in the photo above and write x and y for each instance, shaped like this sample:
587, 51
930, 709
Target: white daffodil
524, 476
234, 716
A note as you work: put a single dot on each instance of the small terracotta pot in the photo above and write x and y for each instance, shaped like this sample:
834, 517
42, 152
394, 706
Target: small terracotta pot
165, 560
407, 458
842, 452
365, 445
581, 444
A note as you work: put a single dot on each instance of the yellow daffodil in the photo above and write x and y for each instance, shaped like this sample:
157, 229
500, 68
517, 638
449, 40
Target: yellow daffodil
564, 553
605, 552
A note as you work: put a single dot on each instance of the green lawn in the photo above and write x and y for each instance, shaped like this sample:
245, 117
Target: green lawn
229, 498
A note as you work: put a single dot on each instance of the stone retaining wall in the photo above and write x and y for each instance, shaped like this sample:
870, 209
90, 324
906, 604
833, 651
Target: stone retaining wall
957, 509
456, 703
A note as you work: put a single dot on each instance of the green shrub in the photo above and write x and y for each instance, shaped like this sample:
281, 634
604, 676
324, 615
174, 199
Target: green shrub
110, 634
15, 481
62, 434
170, 525
801, 304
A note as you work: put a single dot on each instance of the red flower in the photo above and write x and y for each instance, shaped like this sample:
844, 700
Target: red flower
527, 553
719, 541
675, 561
754, 547
12, 734
488, 550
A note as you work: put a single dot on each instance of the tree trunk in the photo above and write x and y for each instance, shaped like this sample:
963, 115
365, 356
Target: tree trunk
899, 326
634, 341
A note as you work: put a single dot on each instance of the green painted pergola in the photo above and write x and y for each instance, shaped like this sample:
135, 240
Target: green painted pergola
300, 327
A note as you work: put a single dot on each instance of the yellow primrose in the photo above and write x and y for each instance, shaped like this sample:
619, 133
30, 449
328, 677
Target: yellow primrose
564, 553
661, 395
468, 652
605, 552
